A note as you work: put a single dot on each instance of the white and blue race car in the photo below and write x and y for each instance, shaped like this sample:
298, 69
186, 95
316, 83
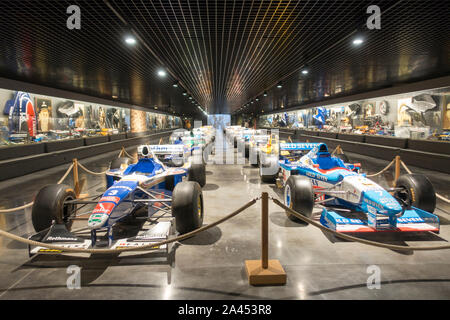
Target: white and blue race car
350, 201
134, 191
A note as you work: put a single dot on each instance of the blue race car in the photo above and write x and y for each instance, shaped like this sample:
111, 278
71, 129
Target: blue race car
350, 201
148, 185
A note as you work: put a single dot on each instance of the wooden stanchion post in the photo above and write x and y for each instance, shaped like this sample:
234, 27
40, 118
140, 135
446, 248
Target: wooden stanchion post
76, 181
122, 152
397, 169
265, 230
265, 271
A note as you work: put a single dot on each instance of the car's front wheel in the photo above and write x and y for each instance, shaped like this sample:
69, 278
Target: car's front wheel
51, 204
299, 196
416, 190
187, 206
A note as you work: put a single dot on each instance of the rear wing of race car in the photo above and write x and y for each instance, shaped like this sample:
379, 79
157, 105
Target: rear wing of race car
162, 149
261, 137
298, 146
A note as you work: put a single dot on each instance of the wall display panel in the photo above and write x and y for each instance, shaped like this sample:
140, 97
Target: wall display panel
415, 115
28, 117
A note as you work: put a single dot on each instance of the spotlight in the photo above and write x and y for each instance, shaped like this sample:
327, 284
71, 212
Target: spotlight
184, 93
162, 73
130, 40
279, 85
190, 97
305, 71
175, 84
358, 41
265, 94
257, 99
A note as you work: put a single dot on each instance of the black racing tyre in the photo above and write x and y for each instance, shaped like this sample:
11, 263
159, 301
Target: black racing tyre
417, 191
343, 157
117, 163
169, 182
235, 142
187, 206
247, 150
198, 154
49, 205
197, 173
254, 157
299, 196
268, 169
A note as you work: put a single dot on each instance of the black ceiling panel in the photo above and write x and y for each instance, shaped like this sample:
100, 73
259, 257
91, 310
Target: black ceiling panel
223, 52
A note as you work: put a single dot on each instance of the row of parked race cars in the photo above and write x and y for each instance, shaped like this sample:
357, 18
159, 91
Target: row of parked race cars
167, 180
311, 176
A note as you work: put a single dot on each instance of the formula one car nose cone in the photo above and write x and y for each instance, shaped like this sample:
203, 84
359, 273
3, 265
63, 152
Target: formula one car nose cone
381, 201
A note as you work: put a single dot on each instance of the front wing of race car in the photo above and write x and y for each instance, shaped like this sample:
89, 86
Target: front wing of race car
150, 234
413, 220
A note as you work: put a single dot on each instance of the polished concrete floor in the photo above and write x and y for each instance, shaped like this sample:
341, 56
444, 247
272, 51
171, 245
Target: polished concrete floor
211, 265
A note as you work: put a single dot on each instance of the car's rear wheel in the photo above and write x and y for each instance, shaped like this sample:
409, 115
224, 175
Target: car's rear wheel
187, 206
197, 173
299, 196
119, 162
246, 150
51, 204
254, 157
268, 169
416, 190
343, 157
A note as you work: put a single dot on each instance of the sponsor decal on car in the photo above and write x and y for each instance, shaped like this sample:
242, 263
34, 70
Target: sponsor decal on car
110, 199
104, 207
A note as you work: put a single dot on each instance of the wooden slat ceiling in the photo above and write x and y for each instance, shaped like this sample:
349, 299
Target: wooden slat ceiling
224, 53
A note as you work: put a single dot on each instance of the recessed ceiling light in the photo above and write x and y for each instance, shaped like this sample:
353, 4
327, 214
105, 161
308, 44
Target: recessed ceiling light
175, 84
184, 93
305, 71
265, 94
257, 99
279, 85
130, 40
162, 73
358, 41
114, 97
190, 97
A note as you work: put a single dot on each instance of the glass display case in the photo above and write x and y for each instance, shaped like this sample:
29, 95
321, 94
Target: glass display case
28, 118
415, 115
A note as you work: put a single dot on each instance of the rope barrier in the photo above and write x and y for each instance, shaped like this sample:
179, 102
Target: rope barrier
351, 238
405, 167
335, 149
59, 182
127, 154
65, 175
91, 172
31, 203
137, 248
380, 172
